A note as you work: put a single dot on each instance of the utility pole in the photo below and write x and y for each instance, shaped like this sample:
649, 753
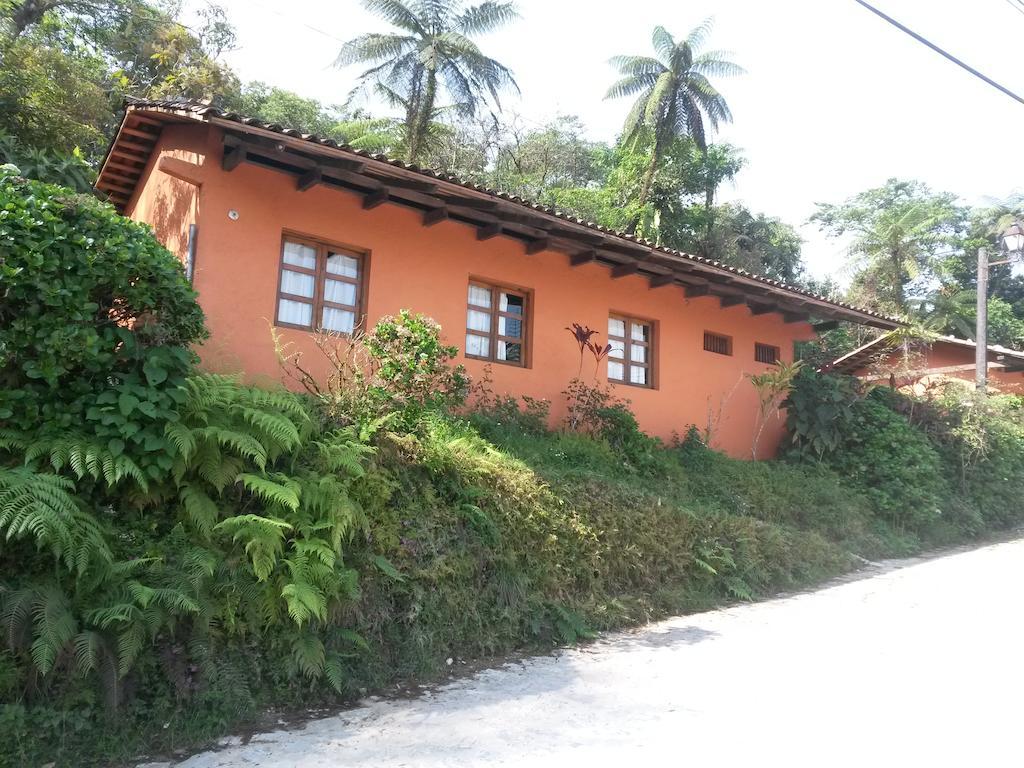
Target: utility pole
981, 331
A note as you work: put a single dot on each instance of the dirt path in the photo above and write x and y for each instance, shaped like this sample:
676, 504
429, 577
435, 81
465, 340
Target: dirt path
921, 664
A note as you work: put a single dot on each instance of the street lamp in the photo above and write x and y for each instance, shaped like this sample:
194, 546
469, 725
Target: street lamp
1012, 241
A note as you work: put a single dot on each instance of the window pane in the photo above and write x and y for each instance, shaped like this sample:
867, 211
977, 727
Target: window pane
616, 327
615, 370
509, 326
618, 349
297, 283
338, 320
511, 303
479, 346
295, 312
640, 332
340, 264
637, 375
638, 354
300, 255
339, 292
510, 352
478, 321
479, 297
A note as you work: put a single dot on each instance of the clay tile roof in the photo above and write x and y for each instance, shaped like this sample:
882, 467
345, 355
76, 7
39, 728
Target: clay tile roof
120, 188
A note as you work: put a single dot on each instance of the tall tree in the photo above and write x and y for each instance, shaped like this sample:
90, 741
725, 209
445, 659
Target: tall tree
897, 232
674, 96
432, 51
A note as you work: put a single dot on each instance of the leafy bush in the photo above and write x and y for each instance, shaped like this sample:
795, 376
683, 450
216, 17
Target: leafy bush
95, 321
820, 410
413, 372
71, 170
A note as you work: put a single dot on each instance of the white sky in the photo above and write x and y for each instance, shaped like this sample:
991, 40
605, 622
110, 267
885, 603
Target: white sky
834, 100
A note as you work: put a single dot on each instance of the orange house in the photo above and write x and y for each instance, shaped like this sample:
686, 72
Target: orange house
281, 228
919, 365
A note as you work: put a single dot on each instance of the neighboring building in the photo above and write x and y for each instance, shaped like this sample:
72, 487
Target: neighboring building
922, 364
278, 227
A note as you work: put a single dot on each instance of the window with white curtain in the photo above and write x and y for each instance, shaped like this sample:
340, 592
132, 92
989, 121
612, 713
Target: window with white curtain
496, 320
632, 344
320, 287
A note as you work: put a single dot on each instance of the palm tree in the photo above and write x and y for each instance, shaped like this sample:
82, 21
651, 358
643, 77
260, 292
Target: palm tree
675, 96
431, 49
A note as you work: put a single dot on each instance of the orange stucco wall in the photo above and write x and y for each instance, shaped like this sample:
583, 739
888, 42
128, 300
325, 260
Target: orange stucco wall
426, 269
931, 364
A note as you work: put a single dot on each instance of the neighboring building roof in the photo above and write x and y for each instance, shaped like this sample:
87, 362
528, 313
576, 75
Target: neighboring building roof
865, 355
316, 160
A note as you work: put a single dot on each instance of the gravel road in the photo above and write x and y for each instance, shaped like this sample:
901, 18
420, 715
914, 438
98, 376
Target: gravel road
917, 663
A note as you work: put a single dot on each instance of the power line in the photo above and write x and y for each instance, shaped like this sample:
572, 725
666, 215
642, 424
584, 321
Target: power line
1016, 6
940, 51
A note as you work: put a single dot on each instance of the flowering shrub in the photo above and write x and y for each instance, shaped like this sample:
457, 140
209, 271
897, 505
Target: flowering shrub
412, 370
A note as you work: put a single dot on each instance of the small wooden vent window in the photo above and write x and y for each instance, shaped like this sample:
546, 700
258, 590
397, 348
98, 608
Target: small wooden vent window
632, 347
320, 287
766, 353
717, 343
496, 319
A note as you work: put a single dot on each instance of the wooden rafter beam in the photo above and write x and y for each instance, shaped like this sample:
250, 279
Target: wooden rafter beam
488, 231
471, 203
233, 157
760, 309
148, 135
584, 257
434, 216
794, 317
695, 291
537, 245
828, 325
731, 301
375, 198
309, 179
622, 270
657, 281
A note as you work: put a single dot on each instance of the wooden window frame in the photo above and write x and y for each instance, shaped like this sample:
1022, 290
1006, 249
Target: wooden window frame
628, 342
715, 334
776, 353
320, 276
495, 313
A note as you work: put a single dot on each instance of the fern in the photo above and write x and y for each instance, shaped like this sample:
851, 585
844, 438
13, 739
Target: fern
41, 506
281, 490
309, 655
263, 538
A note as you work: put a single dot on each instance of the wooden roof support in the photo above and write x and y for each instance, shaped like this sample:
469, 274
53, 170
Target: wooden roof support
144, 120
233, 157
309, 179
731, 301
135, 145
470, 202
622, 270
124, 167
538, 245
148, 135
585, 257
488, 231
657, 281
760, 309
794, 317
828, 325
695, 291
375, 198
106, 183
435, 216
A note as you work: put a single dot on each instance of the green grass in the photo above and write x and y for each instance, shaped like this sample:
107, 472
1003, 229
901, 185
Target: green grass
488, 537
